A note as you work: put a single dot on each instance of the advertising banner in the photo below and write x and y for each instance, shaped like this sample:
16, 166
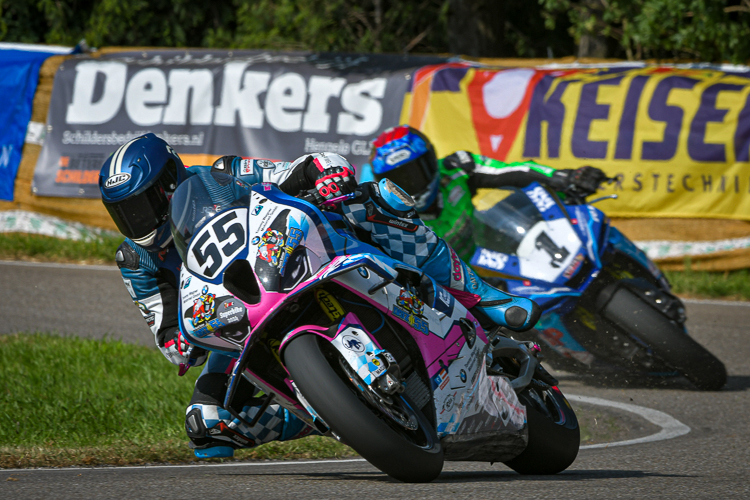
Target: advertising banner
208, 103
19, 66
676, 138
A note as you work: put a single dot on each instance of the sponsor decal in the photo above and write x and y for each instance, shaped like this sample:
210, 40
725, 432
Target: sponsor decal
257, 209
363, 272
540, 198
269, 246
329, 304
147, 314
462, 375
116, 180
449, 402
573, 267
187, 282
230, 311
353, 344
492, 260
374, 216
409, 308
129, 286
266, 186
265, 164
246, 167
456, 267
398, 157
292, 241
204, 307
441, 378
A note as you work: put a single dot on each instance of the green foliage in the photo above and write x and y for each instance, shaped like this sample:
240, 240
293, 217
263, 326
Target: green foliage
704, 30
337, 25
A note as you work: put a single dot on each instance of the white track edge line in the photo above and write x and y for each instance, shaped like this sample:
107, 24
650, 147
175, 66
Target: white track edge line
238, 464
670, 426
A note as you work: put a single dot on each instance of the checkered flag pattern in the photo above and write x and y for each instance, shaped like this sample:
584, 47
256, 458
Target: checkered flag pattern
411, 247
269, 427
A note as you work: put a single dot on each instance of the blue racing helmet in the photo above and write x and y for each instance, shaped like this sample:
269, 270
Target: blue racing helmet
136, 183
405, 156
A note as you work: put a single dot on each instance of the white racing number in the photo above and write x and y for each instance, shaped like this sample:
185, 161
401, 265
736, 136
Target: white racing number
218, 243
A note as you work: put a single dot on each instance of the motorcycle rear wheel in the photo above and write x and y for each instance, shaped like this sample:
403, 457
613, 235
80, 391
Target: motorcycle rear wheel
554, 434
666, 339
399, 453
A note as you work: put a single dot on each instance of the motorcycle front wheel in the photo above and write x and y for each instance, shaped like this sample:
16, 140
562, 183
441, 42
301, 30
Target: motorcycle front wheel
414, 456
666, 339
554, 434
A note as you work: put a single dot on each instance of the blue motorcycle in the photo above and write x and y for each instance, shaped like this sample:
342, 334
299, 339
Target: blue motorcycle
605, 302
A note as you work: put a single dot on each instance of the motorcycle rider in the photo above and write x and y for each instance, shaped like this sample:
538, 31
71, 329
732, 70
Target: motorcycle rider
443, 189
136, 183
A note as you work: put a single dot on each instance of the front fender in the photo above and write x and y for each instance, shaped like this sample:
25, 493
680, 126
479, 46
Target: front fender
355, 344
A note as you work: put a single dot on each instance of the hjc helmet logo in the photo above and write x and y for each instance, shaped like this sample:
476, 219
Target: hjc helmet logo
116, 180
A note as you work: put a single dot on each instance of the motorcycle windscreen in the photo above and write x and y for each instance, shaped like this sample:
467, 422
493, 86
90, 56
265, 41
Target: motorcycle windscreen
508, 222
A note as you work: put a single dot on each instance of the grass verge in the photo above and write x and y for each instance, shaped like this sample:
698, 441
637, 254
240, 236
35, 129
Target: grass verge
733, 285
70, 401
22, 246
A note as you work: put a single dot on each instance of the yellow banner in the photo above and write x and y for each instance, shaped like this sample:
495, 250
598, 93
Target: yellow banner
677, 139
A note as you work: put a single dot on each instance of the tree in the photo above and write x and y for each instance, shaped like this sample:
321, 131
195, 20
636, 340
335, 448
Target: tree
702, 30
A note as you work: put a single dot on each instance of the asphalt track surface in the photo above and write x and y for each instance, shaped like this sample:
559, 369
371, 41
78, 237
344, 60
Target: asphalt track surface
710, 461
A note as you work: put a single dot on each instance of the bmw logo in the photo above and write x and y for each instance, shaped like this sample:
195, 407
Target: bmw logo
462, 375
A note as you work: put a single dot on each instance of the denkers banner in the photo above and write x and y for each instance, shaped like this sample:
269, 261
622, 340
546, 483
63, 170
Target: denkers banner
211, 103
676, 138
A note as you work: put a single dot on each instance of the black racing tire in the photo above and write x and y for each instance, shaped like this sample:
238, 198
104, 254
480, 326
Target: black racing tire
667, 340
361, 427
554, 434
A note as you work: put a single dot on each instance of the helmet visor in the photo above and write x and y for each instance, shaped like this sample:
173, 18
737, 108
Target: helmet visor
413, 177
137, 215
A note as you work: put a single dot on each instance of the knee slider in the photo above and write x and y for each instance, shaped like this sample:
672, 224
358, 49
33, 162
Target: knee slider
194, 426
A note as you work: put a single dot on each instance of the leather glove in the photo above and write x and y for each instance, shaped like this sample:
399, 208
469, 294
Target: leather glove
334, 182
176, 350
582, 181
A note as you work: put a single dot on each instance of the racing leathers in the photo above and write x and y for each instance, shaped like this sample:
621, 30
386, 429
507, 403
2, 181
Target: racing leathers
152, 278
462, 173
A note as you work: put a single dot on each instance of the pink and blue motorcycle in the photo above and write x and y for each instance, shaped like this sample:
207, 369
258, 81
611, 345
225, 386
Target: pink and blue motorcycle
365, 349
606, 304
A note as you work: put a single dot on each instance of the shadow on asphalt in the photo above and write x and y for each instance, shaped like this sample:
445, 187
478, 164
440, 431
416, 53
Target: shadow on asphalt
573, 475
735, 383
474, 476
478, 476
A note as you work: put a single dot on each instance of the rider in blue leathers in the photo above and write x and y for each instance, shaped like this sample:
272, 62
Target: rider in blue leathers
136, 183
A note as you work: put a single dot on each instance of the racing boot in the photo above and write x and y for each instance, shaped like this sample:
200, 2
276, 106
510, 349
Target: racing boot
488, 304
214, 433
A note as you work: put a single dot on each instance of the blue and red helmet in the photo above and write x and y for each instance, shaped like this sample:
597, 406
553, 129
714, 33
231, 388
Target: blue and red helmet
405, 156
136, 183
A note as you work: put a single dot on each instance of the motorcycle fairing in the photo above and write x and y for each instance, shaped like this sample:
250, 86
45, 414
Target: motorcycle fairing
555, 334
224, 326
624, 245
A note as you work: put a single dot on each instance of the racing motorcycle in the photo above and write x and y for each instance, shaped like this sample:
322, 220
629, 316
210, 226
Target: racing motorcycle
604, 301
364, 348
